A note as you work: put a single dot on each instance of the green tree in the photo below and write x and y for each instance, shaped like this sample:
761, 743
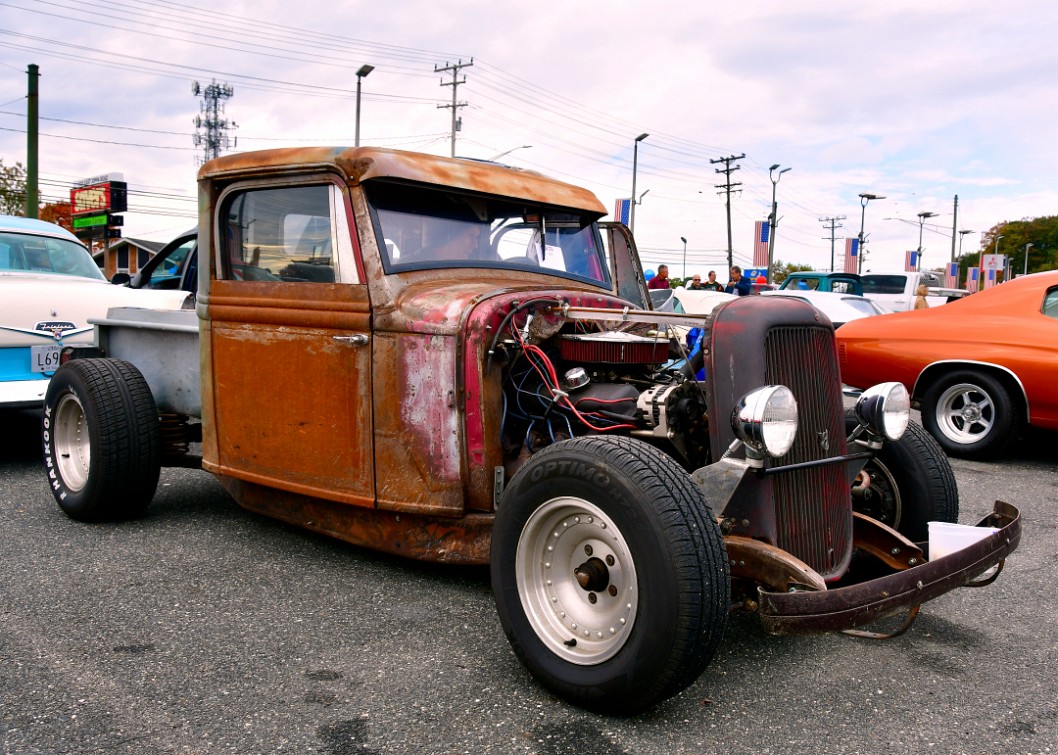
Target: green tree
780, 269
12, 189
1041, 233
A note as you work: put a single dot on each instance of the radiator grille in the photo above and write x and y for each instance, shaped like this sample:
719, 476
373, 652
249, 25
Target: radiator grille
813, 514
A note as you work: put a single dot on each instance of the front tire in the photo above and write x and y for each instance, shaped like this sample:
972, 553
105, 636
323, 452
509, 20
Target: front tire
609, 573
971, 414
101, 440
911, 483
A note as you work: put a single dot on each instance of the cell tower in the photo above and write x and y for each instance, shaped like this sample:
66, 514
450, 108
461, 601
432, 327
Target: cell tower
211, 127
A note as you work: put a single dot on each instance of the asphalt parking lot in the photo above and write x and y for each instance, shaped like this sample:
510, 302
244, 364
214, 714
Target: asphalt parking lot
205, 629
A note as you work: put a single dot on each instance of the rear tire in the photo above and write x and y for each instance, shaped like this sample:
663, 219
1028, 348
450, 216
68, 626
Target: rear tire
609, 573
101, 440
971, 414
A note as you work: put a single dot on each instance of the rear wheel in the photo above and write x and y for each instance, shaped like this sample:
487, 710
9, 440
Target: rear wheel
971, 414
101, 440
609, 573
911, 483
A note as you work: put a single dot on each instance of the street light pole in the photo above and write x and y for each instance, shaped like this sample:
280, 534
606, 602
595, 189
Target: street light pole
864, 199
494, 158
921, 222
363, 71
1027, 247
684, 259
635, 166
774, 219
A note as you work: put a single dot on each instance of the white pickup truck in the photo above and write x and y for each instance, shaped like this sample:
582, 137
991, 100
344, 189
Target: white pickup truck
897, 290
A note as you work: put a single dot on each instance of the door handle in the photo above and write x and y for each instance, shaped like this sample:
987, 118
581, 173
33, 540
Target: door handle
356, 340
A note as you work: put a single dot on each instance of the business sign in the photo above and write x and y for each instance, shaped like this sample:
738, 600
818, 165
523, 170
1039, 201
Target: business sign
99, 198
993, 261
90, 221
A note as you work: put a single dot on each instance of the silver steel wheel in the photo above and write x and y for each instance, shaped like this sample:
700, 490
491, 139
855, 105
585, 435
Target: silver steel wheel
576, 580
965, 413
73, 449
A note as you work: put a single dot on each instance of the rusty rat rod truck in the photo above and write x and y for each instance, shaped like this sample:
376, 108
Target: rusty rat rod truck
454, 361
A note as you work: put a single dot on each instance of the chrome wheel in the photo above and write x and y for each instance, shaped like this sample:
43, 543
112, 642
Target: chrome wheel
73, 448
965, 413
576, 580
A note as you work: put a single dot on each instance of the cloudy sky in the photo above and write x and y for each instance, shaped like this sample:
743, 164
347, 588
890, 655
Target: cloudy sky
918, 101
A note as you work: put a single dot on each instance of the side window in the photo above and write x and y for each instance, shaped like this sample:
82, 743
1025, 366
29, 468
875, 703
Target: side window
1050, 303
282, 234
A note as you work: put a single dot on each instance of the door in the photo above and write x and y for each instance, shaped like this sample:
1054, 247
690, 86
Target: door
289, 342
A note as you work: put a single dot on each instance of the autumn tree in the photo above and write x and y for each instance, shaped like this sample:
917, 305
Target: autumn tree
58, 213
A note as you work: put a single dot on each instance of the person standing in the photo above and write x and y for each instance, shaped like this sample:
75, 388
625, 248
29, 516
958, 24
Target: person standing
712, 284
661, 280
739, 284
696, 284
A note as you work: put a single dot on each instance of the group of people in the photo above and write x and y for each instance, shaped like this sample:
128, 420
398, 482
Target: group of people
736, 284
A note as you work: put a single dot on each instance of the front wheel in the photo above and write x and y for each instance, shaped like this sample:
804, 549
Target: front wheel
609, 573
911, 483
101, 440
970, 413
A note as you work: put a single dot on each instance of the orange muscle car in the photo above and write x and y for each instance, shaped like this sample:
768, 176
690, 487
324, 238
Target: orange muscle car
980, 368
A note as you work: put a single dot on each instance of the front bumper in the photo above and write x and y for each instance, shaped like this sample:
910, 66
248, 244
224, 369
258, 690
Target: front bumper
848, 607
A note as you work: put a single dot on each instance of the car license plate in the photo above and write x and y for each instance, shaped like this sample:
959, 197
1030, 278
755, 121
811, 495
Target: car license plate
44, 358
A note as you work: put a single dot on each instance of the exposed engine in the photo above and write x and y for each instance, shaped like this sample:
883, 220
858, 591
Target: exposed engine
565, 378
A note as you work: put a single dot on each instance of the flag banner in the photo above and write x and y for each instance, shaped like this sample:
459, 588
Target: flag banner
621, 210
852, 255
760, 244
989, 278
910, 261
972, 276
951, 275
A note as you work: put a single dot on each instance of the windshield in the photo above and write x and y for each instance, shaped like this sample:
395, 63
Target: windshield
24, 252
424, 228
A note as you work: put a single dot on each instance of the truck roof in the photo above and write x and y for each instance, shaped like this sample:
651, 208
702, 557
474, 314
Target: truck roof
356, 164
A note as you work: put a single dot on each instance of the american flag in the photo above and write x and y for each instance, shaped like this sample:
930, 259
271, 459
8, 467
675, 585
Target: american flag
852, 255
972, 275
989, 277
951, 275
760, 244
621, 210
910, 261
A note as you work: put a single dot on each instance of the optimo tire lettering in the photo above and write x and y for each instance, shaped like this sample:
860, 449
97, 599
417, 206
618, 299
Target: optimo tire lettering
576, 469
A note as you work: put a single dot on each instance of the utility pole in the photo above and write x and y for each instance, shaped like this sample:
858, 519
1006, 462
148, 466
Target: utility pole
32, 122
456, 104
216, 126
727, 187
834, 225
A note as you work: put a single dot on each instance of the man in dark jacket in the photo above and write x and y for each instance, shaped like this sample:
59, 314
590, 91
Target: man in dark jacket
739, 284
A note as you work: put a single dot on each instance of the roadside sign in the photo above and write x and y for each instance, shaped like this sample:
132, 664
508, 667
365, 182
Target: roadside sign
90, 221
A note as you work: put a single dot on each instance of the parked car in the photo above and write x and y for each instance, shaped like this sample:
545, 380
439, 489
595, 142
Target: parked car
981, 368
174, 266
840, 308
899, 290
839, 282
49, 290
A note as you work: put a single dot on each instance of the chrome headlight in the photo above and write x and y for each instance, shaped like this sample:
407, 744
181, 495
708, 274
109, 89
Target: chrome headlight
766, 420
885, 409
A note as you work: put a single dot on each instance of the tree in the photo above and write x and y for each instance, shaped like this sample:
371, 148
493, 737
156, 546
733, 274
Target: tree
12, 189
780, 270
1041, 232
58, 213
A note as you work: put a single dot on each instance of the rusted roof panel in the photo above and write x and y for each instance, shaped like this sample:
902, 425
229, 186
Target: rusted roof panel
358, 164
